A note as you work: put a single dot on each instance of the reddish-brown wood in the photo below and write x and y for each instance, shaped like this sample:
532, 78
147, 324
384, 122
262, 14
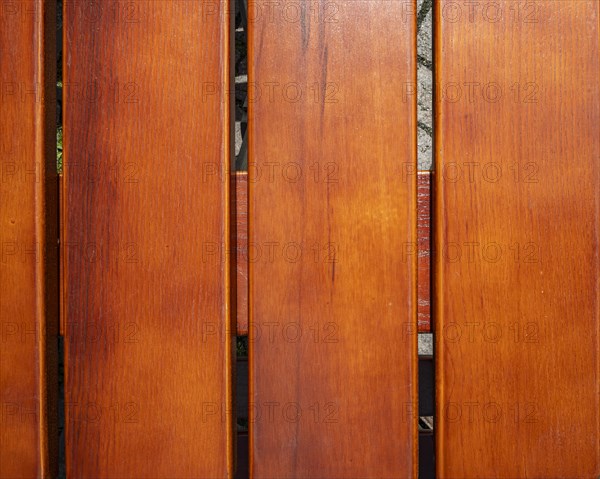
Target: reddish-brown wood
240, 240
333, 216
517, 235
424, 251
148, 343
28, 241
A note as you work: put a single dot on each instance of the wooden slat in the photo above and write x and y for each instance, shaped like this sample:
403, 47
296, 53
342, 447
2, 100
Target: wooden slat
424, 251
333, 225
240, 240
426, 455
518, 227
28, 241
148, 343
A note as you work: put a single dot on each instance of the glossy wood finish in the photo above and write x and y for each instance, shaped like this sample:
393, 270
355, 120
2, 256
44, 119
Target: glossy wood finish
239, 238
333, 215
28, 241
148, 342
517, 235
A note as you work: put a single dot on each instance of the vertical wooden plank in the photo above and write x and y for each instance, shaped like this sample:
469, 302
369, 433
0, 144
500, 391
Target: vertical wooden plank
518, 228
28, 240
148, 342
333, 235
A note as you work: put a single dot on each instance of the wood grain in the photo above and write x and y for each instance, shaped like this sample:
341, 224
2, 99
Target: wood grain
28, 241
147, 145
239, 238
333, 216
517, 235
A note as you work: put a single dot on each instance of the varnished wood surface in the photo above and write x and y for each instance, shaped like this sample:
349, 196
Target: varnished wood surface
148, 343
240, 240
424, 251
28, 241
517, 235
333, 205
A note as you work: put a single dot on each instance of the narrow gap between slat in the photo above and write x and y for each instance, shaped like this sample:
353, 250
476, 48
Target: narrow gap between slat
425, 140
59, 166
